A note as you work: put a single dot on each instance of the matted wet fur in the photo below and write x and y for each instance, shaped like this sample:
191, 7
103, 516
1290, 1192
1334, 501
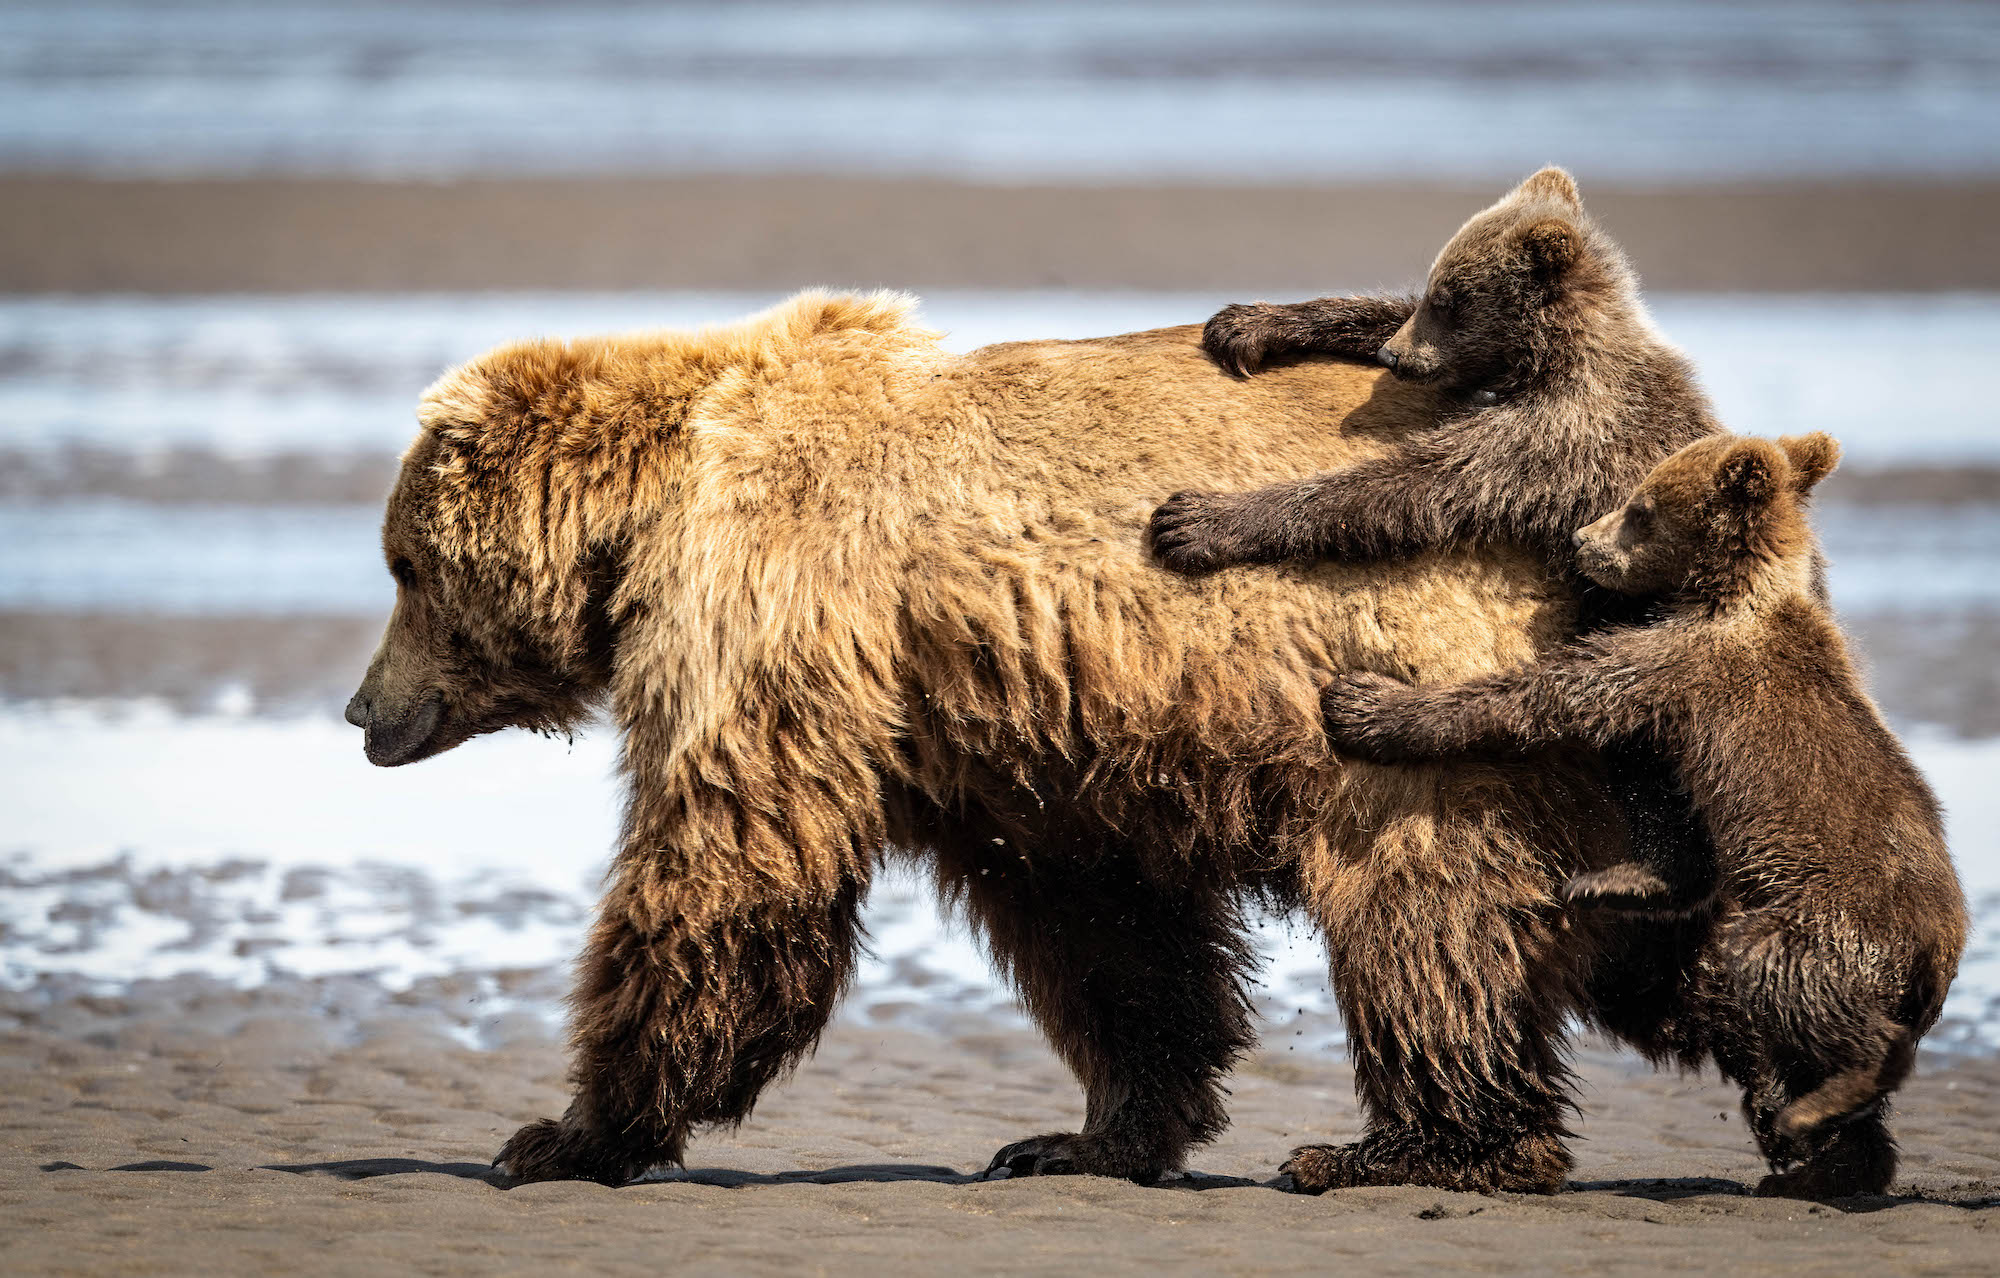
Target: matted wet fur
848, 594
1841, 921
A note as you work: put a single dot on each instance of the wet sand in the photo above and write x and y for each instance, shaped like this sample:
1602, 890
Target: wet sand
311, 1127
79, 234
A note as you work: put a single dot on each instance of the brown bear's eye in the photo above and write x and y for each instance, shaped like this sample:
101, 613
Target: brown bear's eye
1443, 303
404, 572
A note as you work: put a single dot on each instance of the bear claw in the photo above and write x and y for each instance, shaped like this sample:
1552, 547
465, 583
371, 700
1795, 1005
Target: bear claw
1065, 1154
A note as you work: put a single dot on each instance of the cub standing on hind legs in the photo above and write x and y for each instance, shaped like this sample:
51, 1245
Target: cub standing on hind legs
1559, 396
1841, 920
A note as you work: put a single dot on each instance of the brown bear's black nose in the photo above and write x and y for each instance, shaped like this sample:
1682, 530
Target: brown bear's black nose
1576, 538
357, 710
1387, 358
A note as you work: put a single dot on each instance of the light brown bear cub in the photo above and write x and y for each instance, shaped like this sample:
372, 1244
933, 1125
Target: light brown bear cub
1840, 921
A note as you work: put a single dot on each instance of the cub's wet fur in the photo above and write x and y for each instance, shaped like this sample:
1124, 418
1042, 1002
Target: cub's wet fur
1840, 922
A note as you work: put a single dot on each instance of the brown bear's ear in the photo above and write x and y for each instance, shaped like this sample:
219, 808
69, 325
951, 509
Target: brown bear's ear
1813, 458
1551, 183
1553, 246
1746, 477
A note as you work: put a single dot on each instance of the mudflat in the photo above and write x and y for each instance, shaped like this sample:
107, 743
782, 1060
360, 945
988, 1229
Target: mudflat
315, 1126
61, 233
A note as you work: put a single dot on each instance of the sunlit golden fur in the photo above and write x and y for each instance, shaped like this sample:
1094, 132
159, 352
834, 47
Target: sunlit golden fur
850, 592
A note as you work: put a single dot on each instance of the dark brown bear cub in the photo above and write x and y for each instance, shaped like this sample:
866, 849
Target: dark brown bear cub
1840, 920
1562, 397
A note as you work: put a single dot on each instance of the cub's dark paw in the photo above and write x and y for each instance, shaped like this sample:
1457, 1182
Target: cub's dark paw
1071, 1154
1626, 886
1349, 706
1314, 1169
1241, 336
1197, 533
547, 1150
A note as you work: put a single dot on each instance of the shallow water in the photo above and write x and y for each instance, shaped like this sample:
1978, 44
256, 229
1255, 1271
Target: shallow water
1259, 89
333, 374
94, 555
145, 846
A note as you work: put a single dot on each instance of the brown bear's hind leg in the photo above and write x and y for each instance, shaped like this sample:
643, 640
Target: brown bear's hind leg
1139, 986
1454, 988
676, 1024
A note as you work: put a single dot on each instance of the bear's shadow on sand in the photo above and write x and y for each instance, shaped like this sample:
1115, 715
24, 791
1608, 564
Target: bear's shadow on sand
1663, 1191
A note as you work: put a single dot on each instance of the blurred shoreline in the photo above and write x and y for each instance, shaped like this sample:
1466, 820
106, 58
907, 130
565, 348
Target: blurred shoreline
73, 234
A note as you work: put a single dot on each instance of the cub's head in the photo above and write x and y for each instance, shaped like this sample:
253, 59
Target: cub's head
504, 576
1713, 519
1515, 283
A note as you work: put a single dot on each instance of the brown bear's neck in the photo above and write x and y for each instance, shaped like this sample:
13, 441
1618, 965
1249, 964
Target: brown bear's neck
1770, 565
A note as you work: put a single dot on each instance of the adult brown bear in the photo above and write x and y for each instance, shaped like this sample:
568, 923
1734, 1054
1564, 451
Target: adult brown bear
847, 593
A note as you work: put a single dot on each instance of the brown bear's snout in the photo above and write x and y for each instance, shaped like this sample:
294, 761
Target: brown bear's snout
395, 735
1388, 358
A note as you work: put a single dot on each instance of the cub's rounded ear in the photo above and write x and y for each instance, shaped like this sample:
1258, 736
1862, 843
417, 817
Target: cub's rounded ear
1813, 458
1551, 183
1553, 246
1746, 477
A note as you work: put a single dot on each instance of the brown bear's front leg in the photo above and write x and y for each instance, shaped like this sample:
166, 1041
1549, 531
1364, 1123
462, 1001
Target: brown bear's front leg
1245, 337
1139, 986
681, 1019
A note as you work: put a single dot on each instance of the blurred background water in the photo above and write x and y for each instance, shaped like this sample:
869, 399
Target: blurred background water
1002, 90
241, 238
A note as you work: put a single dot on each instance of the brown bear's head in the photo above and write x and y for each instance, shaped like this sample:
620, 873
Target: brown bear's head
1712, 519
504, 579
1517, 284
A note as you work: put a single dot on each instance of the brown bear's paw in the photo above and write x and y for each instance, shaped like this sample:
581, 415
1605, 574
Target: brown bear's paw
1535, 1164
1240, 336
1626, 886
1814, 1183
1314, 1169
1857, 1158
551, 1150
1197, 533
1349, 707
1074, 1154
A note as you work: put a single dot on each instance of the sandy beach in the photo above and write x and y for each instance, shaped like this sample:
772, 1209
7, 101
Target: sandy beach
317, 1127
81, 234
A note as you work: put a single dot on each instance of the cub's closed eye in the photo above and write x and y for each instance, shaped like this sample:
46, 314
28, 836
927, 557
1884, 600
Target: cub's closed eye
1443, 301
403, 571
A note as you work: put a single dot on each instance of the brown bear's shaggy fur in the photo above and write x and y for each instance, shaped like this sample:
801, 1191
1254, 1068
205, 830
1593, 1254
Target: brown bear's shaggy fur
1841, 920
847, 593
